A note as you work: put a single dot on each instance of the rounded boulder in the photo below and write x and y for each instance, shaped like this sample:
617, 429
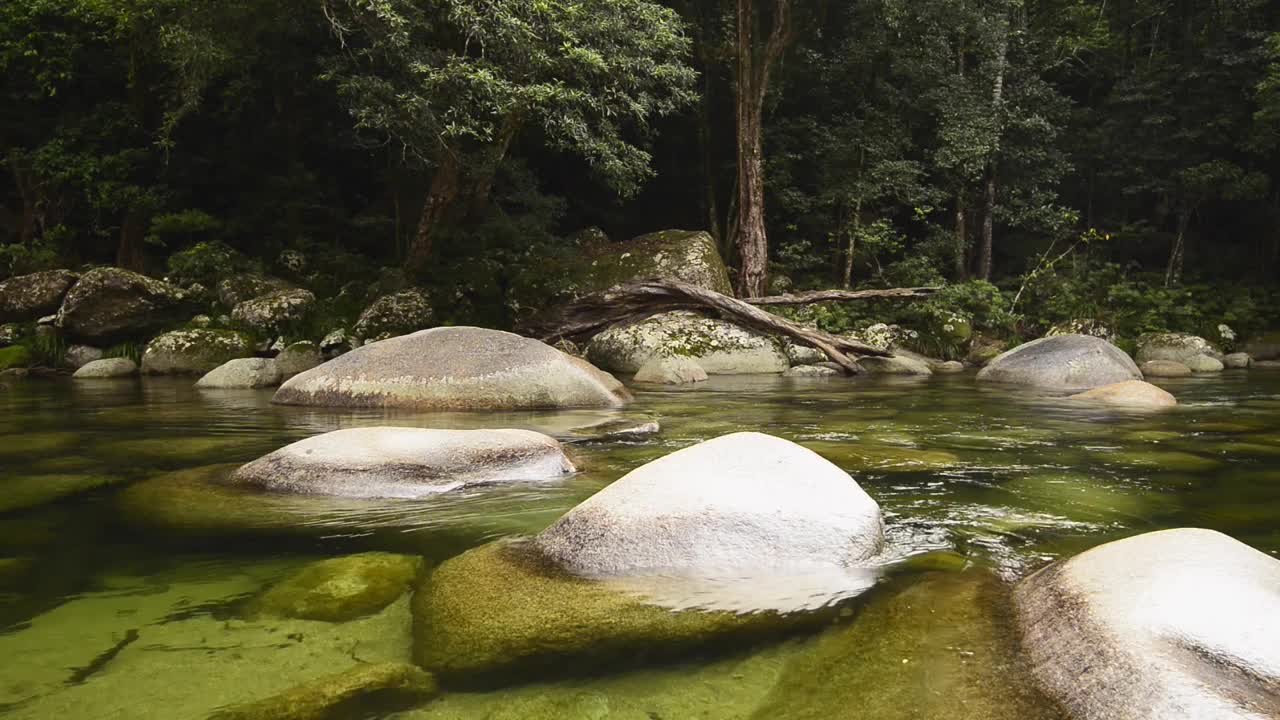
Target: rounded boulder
1063, 363
455, 368
1132, 394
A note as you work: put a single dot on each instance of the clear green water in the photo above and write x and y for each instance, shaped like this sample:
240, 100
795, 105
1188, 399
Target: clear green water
123, 582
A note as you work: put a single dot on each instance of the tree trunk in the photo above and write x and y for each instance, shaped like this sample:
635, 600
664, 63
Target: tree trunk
441, 197
853, 241
1173, 273
962, 239
712, 206
129, 254
988, 226
997, 112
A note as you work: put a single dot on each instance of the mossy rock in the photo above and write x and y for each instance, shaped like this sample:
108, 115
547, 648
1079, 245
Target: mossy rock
174, 451
932, 647
500, 611
17, 356
28, 445
28, 491
193, 352
719, 347
341, 589
345, 694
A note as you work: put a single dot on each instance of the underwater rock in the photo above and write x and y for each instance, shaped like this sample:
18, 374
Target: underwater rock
1065, 363
29, 297
391, 462
22, 492
455, 368
671, 371
896, 365
274, 312
720, 347
1133, 393
110, 304
932, 647
389, 683
1171, 624
1205, 364
177, 451
1164, 368
1176, 347
501, 612
742, 501
1237, 361
341, 589
242, 373
193, 352
407, 311
298, 358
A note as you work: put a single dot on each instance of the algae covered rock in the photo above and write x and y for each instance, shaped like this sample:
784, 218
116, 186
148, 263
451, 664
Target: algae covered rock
108, 368
671, 371
455, 368
501, 609
721, 348
23, 492
405, 462
341, 589
193, 352
1171, 624
402, 313
1064, 363
387, 685
110, 304
1133, 394
29, 297
274, 312
742, 501
1177, 347
936, 646
242, 373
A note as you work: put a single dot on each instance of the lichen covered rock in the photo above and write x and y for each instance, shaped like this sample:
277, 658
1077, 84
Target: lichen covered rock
721, 348
242, 288
340, 589
193, 352
1205, 364
110, 304
1065, 363
1177, 347
274, 312
671, 371
455, 368
298, 358
29, 297
402, 313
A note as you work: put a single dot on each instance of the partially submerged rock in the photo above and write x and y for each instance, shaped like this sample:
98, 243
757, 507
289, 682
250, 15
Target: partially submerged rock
402, 313
1205, 364
721, 348
386, 685
340, 589
1177, 347
1172, 624
1065, 363
242, 373
812, 371
1133, 393
193, 352
671, 371
742, 501
455, 368
895, 365
405, 462
29, 297
107, 368
110, 304
1237, 361
1165, 368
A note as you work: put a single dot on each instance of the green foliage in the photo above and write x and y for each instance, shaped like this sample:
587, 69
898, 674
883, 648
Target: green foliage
130, 350
205, 262
47, 349
16, 356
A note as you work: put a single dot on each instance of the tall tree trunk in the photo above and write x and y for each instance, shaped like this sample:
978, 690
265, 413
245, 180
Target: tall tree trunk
1173, 273
753, 68
853, 241
988, 226
962, 238
129, 254
710, 202
446, 187
985, 248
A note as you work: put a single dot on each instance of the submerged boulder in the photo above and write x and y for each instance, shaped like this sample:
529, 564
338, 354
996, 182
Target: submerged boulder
393, 462
274, 312
1177, 347
899, 364
107, 368
1133, 393
242, 373
401, 313
30, 297
1172, 624
110, 304
746, 500
1164, 368
1064, 363
720, 347
193, 352
340, 589
383, 685
671, 371
455, 368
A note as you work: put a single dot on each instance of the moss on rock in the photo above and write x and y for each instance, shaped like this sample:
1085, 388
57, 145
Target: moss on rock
193, 352
387, 685
935, 648
17, 356
341, 589
501, 610
29, 491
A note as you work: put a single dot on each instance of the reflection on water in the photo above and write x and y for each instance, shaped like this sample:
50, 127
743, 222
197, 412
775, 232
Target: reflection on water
112, 522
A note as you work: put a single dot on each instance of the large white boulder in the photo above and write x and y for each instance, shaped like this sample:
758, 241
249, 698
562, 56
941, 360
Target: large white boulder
1167, 625
455, 368
1063, 363
720, 347
745, 501
391, 462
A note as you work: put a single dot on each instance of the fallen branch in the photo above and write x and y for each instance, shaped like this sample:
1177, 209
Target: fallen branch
818, 296
633, 302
